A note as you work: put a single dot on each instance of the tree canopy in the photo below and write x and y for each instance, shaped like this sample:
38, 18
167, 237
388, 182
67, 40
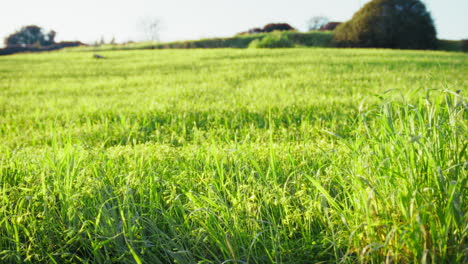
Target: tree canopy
29, 36
404, 24
270, 28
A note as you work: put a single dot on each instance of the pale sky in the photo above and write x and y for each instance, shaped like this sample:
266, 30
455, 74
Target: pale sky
88, 20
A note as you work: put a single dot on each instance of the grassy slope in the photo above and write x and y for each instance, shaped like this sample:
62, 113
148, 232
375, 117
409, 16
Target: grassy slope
250, 155
299, 39
310, 39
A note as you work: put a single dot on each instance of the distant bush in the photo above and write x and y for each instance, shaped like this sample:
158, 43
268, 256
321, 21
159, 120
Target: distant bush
330, 26
37, 48
402, 24
269, 28
464, 45
311, 39
277, 27
274, 40
235, 42
255, 31
448, 45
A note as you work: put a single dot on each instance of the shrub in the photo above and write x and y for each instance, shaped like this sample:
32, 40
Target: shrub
274, 40
39, 48
330, 26
277, 27
448, 45
269, 28
464, 45
311, 39
255, 31
403, 24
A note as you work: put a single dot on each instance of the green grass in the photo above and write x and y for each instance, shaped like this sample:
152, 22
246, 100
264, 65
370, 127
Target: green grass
274, 40
234, 156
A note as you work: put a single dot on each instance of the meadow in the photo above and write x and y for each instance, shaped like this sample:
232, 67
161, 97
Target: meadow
306, 155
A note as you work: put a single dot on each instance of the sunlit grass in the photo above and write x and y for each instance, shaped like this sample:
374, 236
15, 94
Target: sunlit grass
234, 156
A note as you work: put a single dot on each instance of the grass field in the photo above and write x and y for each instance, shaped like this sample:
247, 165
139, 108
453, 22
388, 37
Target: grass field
234, 156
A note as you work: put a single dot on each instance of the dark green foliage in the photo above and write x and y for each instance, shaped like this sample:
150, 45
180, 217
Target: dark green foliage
275, 40
330, 26
277, 27
449, 45
30, 36
312, 39
309, 39
269, 28
56, 46
464, 45
252, 31
401, 24
255, 31
235, 42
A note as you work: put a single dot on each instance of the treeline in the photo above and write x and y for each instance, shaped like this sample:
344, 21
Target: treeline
314, 39
56, 46
33, 38
298, 39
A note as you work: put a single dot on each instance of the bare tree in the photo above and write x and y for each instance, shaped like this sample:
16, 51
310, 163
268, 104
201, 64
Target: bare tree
316, 22
151, 26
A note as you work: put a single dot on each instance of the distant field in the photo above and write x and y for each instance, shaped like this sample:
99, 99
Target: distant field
317, 39
298, 39
234, 156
